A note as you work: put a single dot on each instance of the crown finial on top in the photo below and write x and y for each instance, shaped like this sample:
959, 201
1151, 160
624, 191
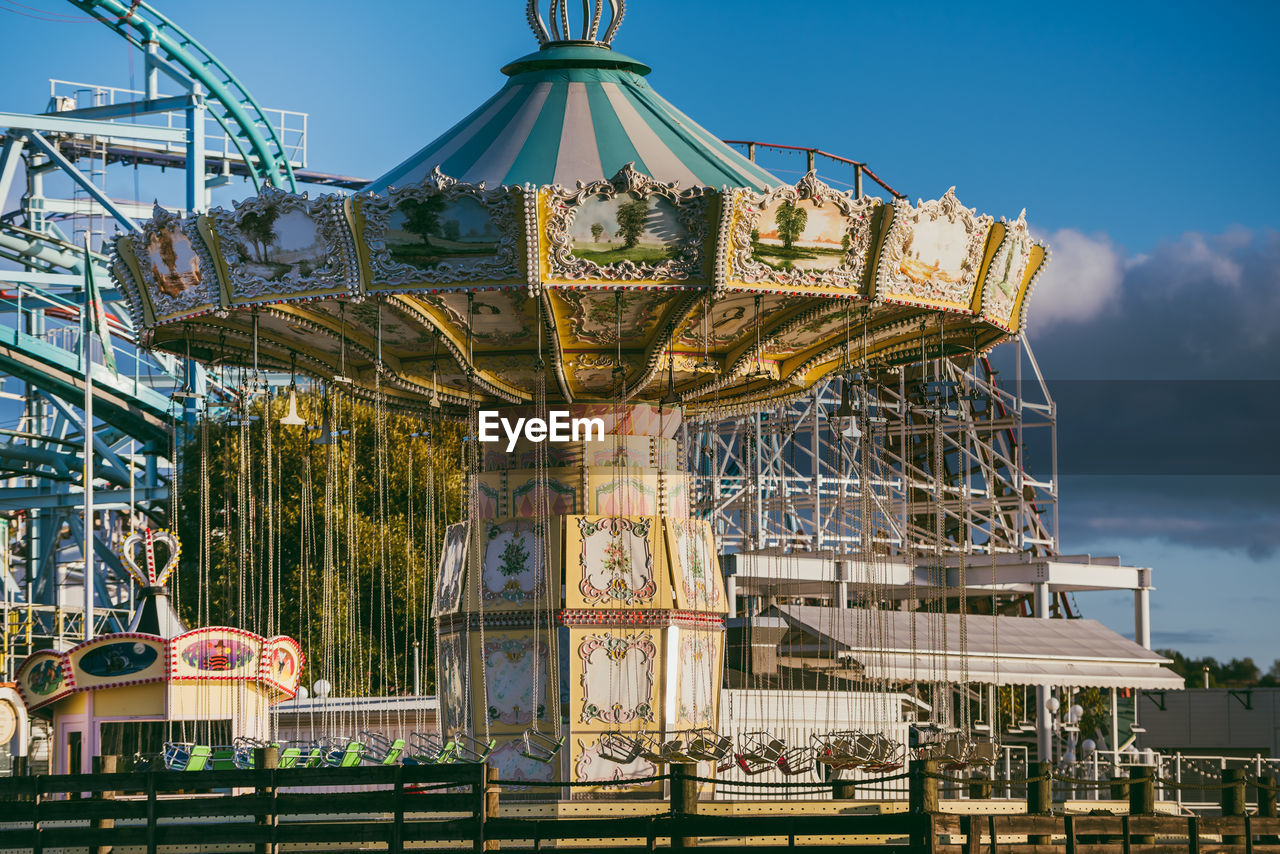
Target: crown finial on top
560, 29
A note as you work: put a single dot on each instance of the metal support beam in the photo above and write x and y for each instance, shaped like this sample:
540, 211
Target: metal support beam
52, 152
128, 109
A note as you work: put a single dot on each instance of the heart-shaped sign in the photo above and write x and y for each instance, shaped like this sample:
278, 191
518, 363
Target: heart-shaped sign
139, 555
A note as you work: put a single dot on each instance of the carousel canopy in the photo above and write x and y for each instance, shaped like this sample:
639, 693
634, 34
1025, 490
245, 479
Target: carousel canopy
574, 113
578, 230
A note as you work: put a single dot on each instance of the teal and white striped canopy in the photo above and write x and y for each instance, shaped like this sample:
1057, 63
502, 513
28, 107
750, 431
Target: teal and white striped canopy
576, 112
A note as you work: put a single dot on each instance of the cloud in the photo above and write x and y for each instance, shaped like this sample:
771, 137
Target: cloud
1082, 281
1204, 306
1231, 513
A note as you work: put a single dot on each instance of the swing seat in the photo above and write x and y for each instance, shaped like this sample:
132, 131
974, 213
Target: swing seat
616, 747
347, 757
705, 744
471, 750
660, 751
380, 750
752, 767
984, 754
762, 747
541, 747
223, 758
186, 756
289, 757
795, 762
426, 749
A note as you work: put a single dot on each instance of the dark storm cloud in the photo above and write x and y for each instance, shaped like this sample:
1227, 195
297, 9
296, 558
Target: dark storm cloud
1166, 371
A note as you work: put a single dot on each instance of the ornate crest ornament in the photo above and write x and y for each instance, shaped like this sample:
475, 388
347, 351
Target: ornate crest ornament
281, 246
494, 219
138, 553
932, 253
838, 253
663, 226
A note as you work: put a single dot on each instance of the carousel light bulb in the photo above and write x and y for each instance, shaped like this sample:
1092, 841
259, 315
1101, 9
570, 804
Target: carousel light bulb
1077, 712
1087, 747
1053, 704
322, 688
292, 418
302, 694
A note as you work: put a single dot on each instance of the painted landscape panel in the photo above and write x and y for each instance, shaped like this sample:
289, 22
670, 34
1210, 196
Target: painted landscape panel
174, 264
606, 230
935, 252
803, 234
424, 233
281, 244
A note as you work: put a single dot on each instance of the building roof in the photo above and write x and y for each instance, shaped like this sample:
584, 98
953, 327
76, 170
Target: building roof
575, 112
1015, 651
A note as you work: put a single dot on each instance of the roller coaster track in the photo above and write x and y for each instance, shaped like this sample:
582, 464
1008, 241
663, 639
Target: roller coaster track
235, 110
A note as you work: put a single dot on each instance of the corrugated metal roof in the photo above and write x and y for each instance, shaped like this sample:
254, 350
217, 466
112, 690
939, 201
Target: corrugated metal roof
574, 113
1010, 651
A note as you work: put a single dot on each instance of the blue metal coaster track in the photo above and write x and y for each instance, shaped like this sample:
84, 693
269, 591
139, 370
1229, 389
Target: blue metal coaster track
235, 110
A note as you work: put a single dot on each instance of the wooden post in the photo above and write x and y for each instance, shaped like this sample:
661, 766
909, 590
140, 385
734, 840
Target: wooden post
1119, 789
1193, 834
1142, 797
1233, 803
265, 762
151, 813
482, 806
922, 792
1040, 797
843, 790
103, 765
980, 790
971, 827
1266, 794
491, 793
395, 845
37, 843
684, 800
1069, 827
923, 802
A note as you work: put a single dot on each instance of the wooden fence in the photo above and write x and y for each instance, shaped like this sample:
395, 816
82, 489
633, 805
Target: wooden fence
455, 807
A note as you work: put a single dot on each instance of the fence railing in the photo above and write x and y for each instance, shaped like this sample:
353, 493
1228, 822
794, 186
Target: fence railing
452, 807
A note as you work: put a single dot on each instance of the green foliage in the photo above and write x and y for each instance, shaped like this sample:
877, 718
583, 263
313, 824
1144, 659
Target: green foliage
262, 565
1236, 673
790, 221
260, 227
423, 217
631, 218
597, 232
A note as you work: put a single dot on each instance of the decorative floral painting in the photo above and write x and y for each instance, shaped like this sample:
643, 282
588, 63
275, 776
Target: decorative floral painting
617, 677
509, 676
514, 562
699, 669
616, 561
692, 554
624, 495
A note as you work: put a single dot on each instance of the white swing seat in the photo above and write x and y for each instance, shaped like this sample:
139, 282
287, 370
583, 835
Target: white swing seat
540, 746
619, 748
708, 745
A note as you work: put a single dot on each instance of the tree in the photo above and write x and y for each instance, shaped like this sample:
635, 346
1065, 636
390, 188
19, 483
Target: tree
423, 217
631, 218
452, 231
597, 232
259, 559
790, 221
260, 227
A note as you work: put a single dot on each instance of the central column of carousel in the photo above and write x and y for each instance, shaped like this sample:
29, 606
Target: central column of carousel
629, 640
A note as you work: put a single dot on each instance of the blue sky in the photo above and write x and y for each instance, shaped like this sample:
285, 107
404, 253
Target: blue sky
1140, 137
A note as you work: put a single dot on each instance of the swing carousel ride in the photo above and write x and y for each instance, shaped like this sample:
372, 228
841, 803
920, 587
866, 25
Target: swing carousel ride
577, 244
